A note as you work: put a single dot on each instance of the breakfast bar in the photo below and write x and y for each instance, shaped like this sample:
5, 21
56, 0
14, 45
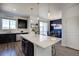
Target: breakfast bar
42, 44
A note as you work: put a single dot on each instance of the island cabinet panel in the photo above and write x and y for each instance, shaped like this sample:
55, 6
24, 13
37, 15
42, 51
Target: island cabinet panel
27, 47
5, 38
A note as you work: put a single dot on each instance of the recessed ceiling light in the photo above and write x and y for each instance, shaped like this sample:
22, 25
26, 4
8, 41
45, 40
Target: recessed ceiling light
14, 9
37, 18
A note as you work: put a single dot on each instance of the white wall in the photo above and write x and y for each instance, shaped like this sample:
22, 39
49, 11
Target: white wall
71, 26
43, 10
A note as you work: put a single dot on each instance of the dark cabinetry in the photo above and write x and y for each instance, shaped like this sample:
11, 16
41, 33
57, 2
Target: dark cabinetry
5, 38
22, 23
27, 48
56, 28
12, 37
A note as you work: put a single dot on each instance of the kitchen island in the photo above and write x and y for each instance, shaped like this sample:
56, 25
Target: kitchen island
42, 44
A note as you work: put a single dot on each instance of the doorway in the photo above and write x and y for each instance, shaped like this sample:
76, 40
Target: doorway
43, 27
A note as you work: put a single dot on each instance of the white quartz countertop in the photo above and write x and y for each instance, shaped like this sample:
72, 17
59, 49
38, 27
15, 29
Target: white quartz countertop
40, 40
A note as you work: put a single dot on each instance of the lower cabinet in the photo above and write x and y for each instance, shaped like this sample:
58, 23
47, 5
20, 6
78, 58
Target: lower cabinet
27, 48
5, 38
12, 37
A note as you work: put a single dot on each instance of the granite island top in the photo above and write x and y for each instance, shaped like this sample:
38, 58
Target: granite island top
40, 40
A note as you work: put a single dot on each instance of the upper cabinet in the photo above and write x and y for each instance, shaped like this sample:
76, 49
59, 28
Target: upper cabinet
22, 23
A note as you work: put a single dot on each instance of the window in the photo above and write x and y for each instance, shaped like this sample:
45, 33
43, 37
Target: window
43, 28
8, 24
5, 24
12, 24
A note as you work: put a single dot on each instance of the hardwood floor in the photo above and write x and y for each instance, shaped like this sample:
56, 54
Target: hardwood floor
11, 49
14, 49
65, 51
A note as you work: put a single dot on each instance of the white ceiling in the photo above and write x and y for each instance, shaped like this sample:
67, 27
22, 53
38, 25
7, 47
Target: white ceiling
23, 9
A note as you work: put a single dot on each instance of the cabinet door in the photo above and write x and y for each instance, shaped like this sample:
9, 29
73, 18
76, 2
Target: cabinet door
1, 38
12, 37
30, 49
6, 38
27, 48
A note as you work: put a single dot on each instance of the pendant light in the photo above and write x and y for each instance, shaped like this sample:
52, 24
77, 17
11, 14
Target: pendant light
38, 11
48, 11
31, 14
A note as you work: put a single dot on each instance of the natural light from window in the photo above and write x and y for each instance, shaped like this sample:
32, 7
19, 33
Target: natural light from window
8, 24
